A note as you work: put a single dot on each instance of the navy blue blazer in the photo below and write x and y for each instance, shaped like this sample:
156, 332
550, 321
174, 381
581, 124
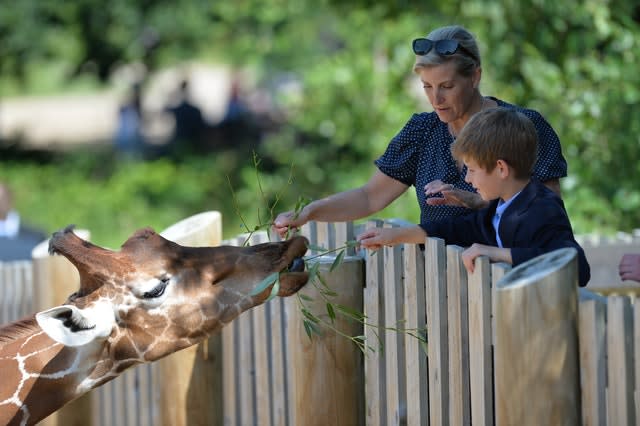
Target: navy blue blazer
536, 222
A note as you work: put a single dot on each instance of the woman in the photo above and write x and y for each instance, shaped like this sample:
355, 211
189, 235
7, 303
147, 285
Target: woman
448, 64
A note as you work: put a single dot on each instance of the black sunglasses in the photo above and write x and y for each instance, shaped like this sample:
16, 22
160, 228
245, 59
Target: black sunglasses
422, 46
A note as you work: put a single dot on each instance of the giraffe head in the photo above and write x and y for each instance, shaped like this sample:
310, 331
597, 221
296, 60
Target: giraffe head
154, 297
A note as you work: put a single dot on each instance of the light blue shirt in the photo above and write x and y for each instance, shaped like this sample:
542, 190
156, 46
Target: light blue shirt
502, 206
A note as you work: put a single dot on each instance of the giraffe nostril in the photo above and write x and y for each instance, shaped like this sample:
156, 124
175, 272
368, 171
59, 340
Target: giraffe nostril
297, 265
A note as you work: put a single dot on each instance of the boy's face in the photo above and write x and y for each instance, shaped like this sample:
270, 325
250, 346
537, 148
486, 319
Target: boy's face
488, 184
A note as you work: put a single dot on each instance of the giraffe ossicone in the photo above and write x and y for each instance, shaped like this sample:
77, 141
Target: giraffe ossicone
151, 298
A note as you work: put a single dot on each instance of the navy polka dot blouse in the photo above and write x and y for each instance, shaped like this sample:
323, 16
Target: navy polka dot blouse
420, 153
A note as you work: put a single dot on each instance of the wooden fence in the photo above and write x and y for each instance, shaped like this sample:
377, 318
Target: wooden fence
264, 370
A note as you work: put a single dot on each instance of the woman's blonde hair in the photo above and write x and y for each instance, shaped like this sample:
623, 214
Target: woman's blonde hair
465, 64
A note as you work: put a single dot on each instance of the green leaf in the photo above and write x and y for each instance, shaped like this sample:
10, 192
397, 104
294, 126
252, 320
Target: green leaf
361, 338
310, 316
306, 297
313, 271
331, 312
328, 292
310, 328
274, 290
350, 312
269, 280
307, 328
338, 261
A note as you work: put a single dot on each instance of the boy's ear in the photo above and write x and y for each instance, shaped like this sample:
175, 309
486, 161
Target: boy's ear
503, 168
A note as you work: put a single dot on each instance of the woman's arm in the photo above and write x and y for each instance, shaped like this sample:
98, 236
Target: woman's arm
353, 204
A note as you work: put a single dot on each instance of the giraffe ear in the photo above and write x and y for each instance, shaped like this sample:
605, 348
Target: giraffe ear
72, 326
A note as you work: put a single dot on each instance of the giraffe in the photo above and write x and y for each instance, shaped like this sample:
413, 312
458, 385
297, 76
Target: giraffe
151, 298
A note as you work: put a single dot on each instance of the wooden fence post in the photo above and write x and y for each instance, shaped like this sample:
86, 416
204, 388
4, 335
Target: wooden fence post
54, 279
190, 381
536, 349
326, 372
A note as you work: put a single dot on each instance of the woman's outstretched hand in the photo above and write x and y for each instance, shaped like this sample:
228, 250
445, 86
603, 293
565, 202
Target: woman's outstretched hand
288, 223
452, 196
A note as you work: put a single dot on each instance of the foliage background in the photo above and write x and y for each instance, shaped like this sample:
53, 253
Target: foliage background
575, 61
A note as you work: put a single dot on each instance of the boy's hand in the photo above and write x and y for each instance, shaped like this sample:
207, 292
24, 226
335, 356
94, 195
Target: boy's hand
495, 254
375, 238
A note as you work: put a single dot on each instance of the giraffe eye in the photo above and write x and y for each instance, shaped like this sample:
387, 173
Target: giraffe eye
158, 290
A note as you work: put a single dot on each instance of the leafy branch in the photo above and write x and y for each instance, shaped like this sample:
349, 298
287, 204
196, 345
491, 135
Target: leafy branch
314, 323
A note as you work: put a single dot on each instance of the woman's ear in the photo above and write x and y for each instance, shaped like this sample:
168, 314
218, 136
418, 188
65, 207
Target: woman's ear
477, 75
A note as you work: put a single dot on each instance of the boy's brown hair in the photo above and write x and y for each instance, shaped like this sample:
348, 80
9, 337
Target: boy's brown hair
498, 134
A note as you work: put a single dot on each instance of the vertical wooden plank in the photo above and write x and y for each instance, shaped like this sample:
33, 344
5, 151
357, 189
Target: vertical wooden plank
619, 361
132, 403
344, 232
415, 320
261, 337
27, 275
245, 365
279, 367
324, 235
16, 284
591, 331
326, 371
229, 368
246, 368
144, 383
498, 270
457, 288
435, 266
480, 354
276, 355
394, 341
374, 365
310, 231
5, 293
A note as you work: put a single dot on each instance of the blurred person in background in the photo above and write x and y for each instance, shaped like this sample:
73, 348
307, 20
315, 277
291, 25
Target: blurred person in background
629, 267
16, 240
128, 139
189, 123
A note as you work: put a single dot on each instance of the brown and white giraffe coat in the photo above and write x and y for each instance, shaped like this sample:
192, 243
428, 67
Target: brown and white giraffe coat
146, 301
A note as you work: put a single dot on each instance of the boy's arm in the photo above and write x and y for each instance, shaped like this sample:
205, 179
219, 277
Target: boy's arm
375, 238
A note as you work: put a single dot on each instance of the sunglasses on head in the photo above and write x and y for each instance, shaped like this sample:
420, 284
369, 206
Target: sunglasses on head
422, 46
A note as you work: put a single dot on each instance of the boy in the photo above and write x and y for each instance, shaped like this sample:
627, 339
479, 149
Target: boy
524, 219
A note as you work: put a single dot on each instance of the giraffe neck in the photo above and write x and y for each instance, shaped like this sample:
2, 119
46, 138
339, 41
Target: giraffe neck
39, 375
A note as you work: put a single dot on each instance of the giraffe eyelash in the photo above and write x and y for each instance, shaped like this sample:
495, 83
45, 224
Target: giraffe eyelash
158, 290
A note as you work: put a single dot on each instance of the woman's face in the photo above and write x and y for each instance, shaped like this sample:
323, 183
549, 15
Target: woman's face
450, 94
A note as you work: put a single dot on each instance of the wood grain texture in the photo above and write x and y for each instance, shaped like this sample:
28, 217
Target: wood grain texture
536, 351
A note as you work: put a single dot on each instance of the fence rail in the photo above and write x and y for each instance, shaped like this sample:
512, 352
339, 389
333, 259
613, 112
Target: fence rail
264, 370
